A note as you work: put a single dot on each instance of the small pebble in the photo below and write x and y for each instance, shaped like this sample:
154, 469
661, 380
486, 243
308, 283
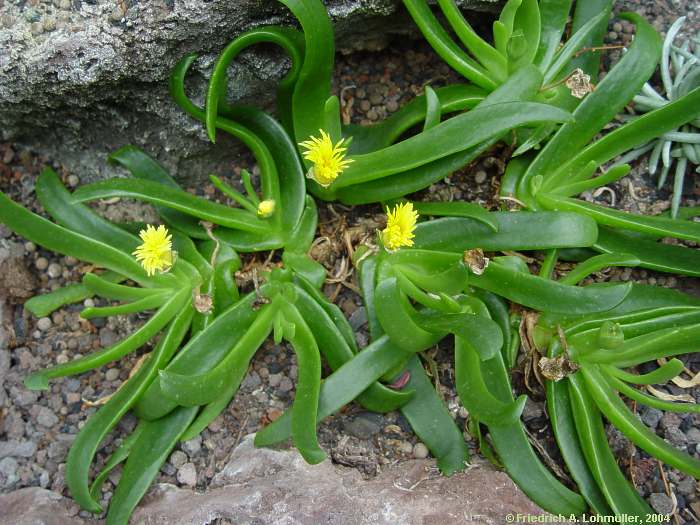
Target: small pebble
178, 459
192, 446
116, 15
661, 503
275, 379
286, 384
43, 324
73, 181
41, 263
54, 270
480, 177
187, 474
420, 451
46, 417
112, 374
29, 247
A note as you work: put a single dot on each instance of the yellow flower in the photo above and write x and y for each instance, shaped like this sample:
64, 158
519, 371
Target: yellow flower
266, 209
155, 252
401, 223
328, 160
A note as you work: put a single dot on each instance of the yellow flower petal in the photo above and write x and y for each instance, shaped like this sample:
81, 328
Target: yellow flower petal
401, 223
155, 252
328, 159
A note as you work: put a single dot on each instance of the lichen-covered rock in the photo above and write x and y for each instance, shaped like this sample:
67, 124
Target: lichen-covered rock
80, 78
271, 486
37, 506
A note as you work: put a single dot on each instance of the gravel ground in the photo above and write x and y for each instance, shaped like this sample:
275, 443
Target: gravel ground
36, 429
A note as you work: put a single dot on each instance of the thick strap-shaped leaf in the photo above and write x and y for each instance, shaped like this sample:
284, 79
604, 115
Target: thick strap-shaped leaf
516, 231
564, 427
639, 131
664, 373
117, 457
480, 332
666, 342
444, 46
652, 225
399, 184
157, 193
651, 254
597, 109
518, 457
597, 263
546, 295
398, 318
432, 422
618, 414
45, 304
200, 354
554, 15
188, 389
305, 406
62, 240
314, 82
651, 401
457, 209
141, 166
474, 393
451, 136
590, 61
151, 449
336, 352
342, 386
454, 97
622, 498
58, 203
98, 425
494, 62
40, 380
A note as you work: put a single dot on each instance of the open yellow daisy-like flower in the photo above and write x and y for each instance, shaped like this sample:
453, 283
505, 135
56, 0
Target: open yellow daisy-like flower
328, 159
401, 223
155, 252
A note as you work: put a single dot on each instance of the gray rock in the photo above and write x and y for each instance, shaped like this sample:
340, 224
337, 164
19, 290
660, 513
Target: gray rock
46, 417
112, 374
358, 318
17, 449
178, 458
78, 83
108, 338
8, 472
192, 446
271, 486
693, 435
533, 410
364, 425
420, 451
251, 381
37, 506
661, 503
187, 474
651, 416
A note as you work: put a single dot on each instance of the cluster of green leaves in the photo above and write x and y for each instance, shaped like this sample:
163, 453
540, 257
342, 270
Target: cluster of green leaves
442, 288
